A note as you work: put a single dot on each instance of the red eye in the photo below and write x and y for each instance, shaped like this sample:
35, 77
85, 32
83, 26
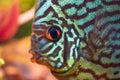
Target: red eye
53, 33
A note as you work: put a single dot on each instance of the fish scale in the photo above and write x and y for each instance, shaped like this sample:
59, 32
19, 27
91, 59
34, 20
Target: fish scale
88, 47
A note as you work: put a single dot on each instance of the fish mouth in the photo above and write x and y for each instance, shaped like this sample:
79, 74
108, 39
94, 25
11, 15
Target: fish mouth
37, 58
42, 60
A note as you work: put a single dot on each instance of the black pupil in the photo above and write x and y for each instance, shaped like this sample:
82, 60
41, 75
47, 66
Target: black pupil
53, 32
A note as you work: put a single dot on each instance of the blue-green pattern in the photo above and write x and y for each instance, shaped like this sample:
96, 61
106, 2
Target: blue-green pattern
89, 47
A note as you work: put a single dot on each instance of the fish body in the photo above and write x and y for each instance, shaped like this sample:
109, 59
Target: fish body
78, 39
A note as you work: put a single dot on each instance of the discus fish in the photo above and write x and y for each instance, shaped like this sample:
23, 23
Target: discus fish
78, 39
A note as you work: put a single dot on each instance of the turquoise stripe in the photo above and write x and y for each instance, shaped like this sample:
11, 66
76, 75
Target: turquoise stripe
81, 11
82, 21
108, 19
65, 2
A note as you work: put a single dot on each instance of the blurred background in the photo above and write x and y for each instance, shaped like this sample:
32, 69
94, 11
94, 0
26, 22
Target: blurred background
16, 18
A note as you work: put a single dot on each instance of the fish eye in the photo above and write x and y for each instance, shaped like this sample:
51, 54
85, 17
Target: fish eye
53, 33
